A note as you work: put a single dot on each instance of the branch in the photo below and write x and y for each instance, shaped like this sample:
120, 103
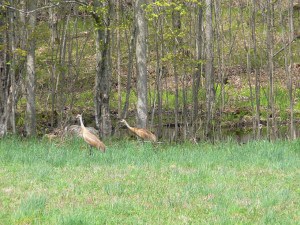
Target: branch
44, 7
286, 45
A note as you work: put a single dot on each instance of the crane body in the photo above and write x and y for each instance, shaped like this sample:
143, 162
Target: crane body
144, 134
89, 137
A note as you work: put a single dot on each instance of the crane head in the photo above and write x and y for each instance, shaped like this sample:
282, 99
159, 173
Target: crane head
78, 116
122, 121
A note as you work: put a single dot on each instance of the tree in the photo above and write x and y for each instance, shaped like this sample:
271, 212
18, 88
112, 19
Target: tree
198, 73
288, 71
4, 75
209, 73
257, 75
141, 57
269, 42
103, 67
30, 69
176, 23
12, 70
118, 9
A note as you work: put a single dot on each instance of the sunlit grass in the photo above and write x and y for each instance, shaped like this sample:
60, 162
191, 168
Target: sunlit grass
133, 183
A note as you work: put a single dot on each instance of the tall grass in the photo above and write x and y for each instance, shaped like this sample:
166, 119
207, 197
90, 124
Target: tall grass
133, 183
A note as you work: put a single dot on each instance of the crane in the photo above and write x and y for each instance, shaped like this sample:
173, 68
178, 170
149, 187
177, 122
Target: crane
90, 138
140, 132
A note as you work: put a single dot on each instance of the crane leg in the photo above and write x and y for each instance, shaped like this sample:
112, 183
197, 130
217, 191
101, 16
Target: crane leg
90, 150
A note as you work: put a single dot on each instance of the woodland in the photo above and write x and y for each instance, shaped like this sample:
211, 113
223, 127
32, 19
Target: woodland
187, 70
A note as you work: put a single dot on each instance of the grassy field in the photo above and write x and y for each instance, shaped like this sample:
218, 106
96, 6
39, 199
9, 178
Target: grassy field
134, 183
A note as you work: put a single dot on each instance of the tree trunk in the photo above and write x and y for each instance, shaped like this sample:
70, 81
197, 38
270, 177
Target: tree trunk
220, 62
61, 78
290, 78
4, 75
177, 42
103, 76
53, 39
30, 69
271, 109
12, 70
159, 73
248, 53
209, 74
129, 74
256, 72
198, 73
141, 57
118, 9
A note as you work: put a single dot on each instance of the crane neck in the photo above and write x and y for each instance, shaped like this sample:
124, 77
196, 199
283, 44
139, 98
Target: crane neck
81, 123
127, 125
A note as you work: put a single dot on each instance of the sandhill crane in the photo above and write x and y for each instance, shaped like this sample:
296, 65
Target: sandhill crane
140, 132
89, 137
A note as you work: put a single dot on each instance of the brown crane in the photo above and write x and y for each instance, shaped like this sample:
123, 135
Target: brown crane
141, 132
90, 138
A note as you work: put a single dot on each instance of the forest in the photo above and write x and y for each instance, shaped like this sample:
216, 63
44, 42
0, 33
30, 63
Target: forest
187, 70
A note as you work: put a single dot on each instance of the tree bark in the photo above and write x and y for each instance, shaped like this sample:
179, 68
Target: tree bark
53, 38
4, 75
209, 73
129, 73
12, 70
103, 71
118, 9
290, 78
159, 74
176, 23
220, 62
271, 109
61, 78
198, 73
30, 69
141, 57
256, 72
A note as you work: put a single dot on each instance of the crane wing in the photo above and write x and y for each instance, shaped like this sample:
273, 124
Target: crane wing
145, 134
91, 138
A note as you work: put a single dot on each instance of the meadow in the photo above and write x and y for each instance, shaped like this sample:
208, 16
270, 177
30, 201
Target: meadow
45, 182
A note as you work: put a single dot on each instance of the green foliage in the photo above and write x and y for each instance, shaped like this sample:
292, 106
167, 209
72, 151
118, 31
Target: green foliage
20, 52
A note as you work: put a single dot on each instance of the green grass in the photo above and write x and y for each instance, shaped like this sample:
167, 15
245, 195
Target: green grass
132, 183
